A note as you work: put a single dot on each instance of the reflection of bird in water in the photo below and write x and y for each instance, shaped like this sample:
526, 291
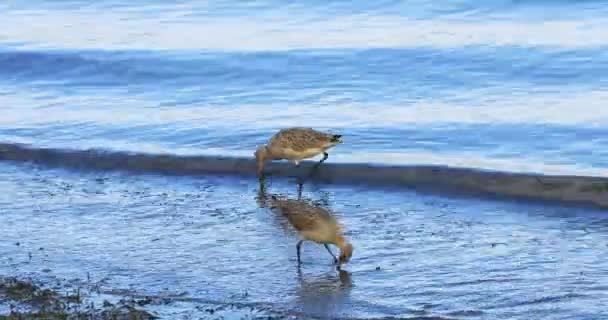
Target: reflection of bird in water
295, 144
344, 280
325, 296
314, 224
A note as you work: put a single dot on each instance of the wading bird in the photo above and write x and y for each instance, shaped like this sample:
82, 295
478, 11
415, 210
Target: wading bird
295, 144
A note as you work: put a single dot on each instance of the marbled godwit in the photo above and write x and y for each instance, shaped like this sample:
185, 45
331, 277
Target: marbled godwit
295, 144
314, 224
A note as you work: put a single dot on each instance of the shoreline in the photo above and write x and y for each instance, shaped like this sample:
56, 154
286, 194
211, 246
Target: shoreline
563, 189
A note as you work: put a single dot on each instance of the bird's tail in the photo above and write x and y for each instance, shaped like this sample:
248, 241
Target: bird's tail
336, 138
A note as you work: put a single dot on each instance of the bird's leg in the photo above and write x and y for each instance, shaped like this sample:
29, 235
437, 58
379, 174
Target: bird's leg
296, 163
325, 156
332, 254
316, 166
298, 247
298, 178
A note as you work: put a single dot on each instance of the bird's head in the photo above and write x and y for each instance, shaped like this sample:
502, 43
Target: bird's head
346, 252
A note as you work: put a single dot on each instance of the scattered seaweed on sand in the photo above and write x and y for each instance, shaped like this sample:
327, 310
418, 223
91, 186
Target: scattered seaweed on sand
29, 301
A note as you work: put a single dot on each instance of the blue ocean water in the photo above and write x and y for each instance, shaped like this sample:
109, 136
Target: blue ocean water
500, 84
510, 85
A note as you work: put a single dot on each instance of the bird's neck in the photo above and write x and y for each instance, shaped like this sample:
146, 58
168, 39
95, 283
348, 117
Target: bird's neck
340, 241
269, 154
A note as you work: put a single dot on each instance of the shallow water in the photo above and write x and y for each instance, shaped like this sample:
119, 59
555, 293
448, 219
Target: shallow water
208, 238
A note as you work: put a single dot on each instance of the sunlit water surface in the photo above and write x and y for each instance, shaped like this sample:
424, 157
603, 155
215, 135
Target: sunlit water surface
208, 238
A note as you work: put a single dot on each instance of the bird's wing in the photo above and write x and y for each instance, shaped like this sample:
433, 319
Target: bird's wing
300, 139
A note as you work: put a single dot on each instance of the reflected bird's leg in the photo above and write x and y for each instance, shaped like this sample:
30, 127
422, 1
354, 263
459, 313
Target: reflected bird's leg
298, 247
300, 186
332, 254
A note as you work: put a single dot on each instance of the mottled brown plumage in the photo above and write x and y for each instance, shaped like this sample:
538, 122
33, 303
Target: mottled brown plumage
315, 224
295, 144
300, 139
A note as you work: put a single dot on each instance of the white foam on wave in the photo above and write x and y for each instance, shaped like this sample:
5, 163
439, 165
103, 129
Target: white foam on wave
24, 107
80, 29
